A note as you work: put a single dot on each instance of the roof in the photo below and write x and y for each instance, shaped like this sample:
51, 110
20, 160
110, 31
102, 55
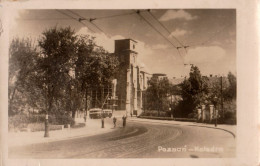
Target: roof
127, 39
176, 81
159, 74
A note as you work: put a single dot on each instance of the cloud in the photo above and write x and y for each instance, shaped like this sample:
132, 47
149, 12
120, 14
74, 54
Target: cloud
179, 14
14, 15
13, 18
211, 60
205, 55
144, 51
179, 32
102, 39
159, 46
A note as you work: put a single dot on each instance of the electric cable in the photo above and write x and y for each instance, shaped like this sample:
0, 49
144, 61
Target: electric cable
75, 19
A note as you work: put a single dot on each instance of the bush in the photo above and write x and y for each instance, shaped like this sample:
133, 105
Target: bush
192, 115
79, 125
169, 118
18, 121
41, 118
22, 120
41, 127
154, 113
64, 119
230, 118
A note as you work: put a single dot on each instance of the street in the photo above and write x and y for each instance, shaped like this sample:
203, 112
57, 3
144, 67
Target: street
138, 140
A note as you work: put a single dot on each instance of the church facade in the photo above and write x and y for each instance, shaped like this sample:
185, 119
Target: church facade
132, 80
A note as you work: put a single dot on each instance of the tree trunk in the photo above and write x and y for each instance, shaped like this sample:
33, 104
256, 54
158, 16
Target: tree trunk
73, 114
10, 108
86, 104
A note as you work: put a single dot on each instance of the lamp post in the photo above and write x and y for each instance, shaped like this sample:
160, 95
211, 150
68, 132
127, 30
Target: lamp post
85, 116
170, 110
215, 110
46, 133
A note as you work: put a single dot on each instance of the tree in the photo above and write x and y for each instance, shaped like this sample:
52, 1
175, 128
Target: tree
69, 66
55, 76
58, 52
22, 86
194, 91
157, 94
95, 67
231, 91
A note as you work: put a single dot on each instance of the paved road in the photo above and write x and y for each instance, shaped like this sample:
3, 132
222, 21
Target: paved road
138, 140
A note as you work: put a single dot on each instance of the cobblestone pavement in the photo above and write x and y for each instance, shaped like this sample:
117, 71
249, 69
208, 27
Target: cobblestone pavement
139, 139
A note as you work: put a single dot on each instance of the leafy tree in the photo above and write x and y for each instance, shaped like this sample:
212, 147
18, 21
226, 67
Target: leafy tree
95, 67
58, 49
69, 66
56, 77
22, 86
157, 94
194, 91
230, 92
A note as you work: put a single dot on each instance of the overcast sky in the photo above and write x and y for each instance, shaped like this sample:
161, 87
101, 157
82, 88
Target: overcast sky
210, 35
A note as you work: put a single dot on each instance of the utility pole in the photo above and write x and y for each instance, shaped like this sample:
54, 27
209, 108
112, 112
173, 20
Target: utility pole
221, 91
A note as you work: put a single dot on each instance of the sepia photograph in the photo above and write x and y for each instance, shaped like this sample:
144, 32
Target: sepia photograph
132, 83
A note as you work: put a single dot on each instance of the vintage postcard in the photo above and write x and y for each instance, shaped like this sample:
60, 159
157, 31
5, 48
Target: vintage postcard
161, 83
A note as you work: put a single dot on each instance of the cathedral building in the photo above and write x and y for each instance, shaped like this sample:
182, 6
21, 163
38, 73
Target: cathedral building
131, 78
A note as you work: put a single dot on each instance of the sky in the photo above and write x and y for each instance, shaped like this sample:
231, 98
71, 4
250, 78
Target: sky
209, 34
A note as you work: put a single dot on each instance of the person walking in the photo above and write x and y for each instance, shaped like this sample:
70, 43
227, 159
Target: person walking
102, 123
114, 121
124, 120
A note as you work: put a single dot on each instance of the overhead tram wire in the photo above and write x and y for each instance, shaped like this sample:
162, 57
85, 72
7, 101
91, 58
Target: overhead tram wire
105, 17
138, 13
149, 11
182, 45
212, 37
42, 19
90, 20
112, 16
75, 19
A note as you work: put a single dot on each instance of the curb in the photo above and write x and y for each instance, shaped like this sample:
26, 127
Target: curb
59, 139
230, 132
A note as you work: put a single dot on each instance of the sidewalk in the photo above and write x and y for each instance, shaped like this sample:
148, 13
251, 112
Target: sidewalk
93, 127
228, 128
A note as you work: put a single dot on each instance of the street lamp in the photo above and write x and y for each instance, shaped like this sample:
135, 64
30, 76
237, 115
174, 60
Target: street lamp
215, 110
46, 133
170, 111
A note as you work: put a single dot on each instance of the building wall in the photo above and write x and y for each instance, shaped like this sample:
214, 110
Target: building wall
128, 79
127, 90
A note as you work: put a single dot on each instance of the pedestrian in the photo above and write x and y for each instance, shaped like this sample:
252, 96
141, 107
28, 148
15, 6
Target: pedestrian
102, 122
124, 120
114, 121
85, 118
131, 114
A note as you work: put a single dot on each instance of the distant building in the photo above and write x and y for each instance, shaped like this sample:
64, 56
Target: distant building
159, 76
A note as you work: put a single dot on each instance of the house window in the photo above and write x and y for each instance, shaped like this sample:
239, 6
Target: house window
133, 46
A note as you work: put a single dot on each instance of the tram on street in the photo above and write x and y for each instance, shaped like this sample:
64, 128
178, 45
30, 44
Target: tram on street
96, 113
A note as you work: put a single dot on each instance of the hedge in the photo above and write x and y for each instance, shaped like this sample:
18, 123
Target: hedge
22, 121
169, 118
41, 127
